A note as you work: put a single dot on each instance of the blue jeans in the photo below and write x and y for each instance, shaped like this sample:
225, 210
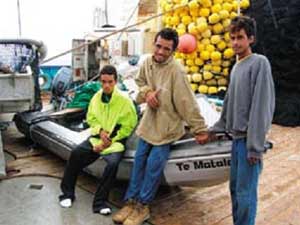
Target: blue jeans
243, 184
149, 164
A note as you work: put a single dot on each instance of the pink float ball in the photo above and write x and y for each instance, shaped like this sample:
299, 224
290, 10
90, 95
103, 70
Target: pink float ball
187, 43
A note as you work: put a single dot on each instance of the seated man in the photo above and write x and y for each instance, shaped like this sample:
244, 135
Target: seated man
112, 118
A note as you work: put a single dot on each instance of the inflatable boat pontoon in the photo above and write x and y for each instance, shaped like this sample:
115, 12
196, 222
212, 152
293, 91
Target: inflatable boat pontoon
189, 163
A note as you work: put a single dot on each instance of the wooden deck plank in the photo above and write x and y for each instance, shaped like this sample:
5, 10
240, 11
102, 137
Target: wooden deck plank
279, 196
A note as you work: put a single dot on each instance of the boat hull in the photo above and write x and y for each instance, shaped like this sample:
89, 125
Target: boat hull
189, 163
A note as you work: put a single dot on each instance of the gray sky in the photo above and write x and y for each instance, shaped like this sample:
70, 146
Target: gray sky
57, 22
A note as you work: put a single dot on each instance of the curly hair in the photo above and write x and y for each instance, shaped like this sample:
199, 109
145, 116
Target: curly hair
243, 22
168, 34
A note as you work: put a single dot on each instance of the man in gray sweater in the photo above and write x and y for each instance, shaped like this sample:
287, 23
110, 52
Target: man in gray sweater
247, 114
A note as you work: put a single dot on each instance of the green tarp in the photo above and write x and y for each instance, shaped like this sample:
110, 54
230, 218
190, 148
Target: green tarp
84, 94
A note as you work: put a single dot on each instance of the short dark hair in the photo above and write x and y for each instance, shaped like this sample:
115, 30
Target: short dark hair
243, 22
110, 70
168, 34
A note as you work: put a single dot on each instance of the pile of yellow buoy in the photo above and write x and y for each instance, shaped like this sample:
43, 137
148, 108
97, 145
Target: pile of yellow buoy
208, 65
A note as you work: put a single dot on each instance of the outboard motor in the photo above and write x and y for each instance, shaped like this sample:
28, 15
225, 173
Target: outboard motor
60, 84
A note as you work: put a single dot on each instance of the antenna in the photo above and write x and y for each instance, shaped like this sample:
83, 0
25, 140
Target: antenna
19, 18
106, 25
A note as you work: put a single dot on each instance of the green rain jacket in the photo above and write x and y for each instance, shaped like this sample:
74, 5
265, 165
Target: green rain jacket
119, 111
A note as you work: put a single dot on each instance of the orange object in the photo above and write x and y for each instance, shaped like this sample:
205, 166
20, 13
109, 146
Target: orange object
187, 43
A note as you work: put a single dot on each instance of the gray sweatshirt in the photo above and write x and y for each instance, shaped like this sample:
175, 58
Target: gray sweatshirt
249, 103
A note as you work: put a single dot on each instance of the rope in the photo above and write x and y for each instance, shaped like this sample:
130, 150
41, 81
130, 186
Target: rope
129, 18
113, 33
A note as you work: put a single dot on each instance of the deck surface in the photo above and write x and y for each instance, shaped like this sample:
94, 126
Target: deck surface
279, 187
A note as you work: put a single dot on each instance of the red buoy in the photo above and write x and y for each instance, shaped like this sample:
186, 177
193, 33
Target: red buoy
187, 43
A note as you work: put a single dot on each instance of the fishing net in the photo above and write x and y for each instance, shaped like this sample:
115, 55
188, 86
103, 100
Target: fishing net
278, 37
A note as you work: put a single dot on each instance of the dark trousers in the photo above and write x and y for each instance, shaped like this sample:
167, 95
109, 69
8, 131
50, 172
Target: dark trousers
81, 157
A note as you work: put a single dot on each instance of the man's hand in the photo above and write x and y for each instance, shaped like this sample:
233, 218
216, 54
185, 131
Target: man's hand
98, 148
202, 138
104, 136
213, 137
151, 99
253, 160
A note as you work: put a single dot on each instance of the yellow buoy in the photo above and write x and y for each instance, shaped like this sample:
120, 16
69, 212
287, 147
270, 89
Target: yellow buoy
202, 26
210, 48
224, 14
221, 45
205, 3
207, 75
196, 77
216, 69
207, 67
206, 33
226, 63
211, 82
227, 6
215, 39
194, 87
194, 69
227, 36
204, 12
205, 41
212, 90
200, 47
226, 23
215, 56
245, 4
214, 18
193, 5
189, 62
222, 82
199, 62
218, 28
216, 8
225, 72
216, 62
205, 55
228, 53
192, 29
203, 89
186, 20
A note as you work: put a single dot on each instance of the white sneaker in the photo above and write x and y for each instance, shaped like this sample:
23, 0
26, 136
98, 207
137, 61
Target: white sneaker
105, 211
66, 203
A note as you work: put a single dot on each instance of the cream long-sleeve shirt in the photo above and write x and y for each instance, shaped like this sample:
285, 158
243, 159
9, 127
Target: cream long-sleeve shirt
177, 103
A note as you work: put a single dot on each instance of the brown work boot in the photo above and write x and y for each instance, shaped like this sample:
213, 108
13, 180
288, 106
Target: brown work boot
122, 214
140, 214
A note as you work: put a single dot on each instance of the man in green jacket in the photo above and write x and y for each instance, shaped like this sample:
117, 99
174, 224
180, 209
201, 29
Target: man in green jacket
112, 118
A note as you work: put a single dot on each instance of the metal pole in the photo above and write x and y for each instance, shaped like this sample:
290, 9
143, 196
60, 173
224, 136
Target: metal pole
106, 13
19, 18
